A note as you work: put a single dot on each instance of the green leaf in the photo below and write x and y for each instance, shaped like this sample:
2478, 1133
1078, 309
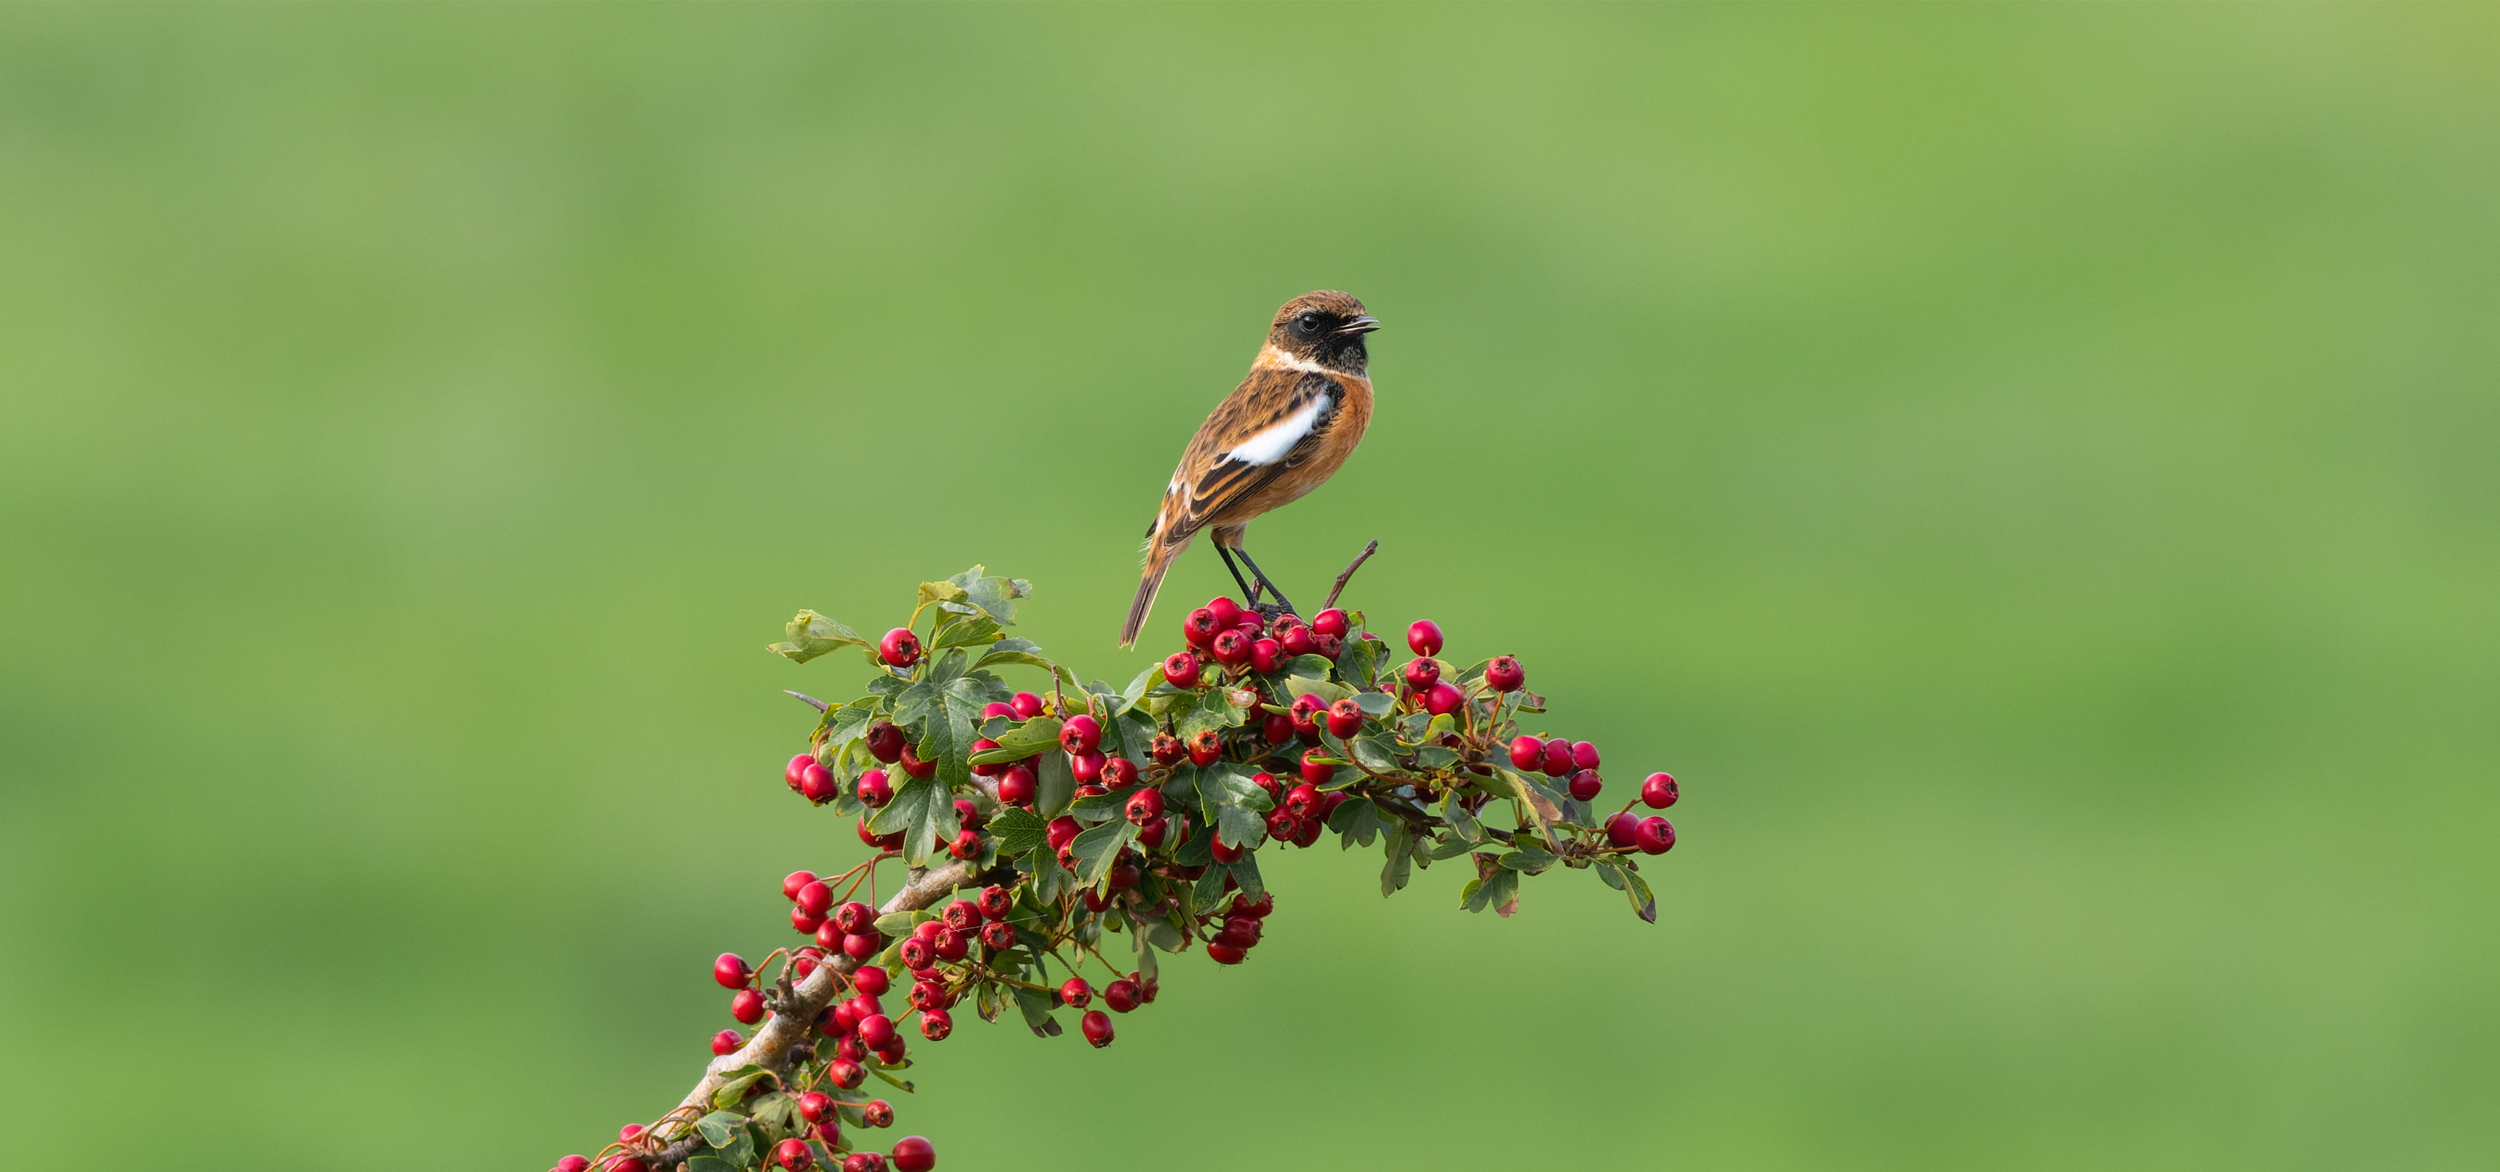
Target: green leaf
1097, 849
1501, 893
709, 1163
1051, 881
971, 632
1375, 755
1322, 688
1021, 741
1611, 872
1308, 667
1246, 874
1528, 857
1644, 904
1101, 806
812, 634
1213, 710
1461, 820
718, 1126
995, 596
1035, 1005
1433, 758
915, 810
1239, 827
1450, 846
1533, 796
1209, 888
1229, 785
734, 1091
1470, 897
1358, 819
1135, 732
1053, 784
1377, 705
940, 592
1136, 689
1018, 831
1400, 852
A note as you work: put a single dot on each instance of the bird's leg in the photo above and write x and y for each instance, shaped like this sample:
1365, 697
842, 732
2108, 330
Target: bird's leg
1246, 592
1282, 604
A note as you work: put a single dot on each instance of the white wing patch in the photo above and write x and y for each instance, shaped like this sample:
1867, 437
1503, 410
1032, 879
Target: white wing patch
1270, 445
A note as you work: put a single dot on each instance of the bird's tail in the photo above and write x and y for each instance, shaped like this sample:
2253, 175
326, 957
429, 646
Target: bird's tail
1161, 548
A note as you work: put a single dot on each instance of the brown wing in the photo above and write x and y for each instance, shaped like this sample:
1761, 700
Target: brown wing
1267, 412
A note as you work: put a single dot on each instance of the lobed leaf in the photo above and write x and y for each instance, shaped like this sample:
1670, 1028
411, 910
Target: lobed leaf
812, 634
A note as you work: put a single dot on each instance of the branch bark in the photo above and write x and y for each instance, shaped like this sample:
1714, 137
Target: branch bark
770, 1047
1348, 576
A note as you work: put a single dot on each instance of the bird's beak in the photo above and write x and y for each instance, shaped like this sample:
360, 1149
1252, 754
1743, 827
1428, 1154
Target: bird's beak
1361, 325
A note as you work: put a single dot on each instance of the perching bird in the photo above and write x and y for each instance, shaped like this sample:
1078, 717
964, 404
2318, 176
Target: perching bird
1280, 433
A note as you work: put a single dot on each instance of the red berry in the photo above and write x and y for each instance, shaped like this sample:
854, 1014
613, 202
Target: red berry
1227, 613
854, 917
1302, 801
1181, 669
1227, 855
962, 916
1145, 806
816, 1107
1557, 760
872, 981
574, 1163
935, 1024
1017, 786
791, 883
878, 1113
1327, 646
1621, 829
1097, 1027
1200, 628
1167, 749
998, 708
727, 1042
1443, 699
792, 1154
1505, 674
803, 923
815, 899
900, 647
846, 1074
1585, 784
747, 1006
805, 962
1266, 656
1584, 755
1655, 835
829, 937
1527, 753
885, 742
999, 935
1026, 704
1306, 714
950, 944
1151, 835
862, 1007
730, 971
863, 1162
876, 1031
790, 772
1231, 648
1267, 781
1205, 747
1121, 995
1242, 906
1424, 638
1119, 772
1123, 876
816, 783
1330, 622
1081, 734
1061, 831
913, 765
913, 1154
981, 746
628, 1132
967, 845
995, 902
1296, 641
1315, 771
1658, 791
1311, 828
627, 1164
917, 954
1345, 718
862, 945
1421, 674
1283, 827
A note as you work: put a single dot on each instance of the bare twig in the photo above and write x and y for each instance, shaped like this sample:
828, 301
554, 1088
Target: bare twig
1343, 578
819, 704
771, 1046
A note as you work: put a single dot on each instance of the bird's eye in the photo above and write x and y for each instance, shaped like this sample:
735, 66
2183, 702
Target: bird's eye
1307, 323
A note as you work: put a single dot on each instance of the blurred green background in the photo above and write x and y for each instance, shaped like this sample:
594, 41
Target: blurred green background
2030, 471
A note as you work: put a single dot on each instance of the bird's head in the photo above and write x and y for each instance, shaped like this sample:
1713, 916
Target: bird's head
1326, 327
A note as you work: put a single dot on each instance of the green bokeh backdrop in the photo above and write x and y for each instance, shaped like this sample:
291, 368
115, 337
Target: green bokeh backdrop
2029, 470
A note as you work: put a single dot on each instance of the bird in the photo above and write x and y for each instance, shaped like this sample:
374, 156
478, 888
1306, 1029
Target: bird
1283, 432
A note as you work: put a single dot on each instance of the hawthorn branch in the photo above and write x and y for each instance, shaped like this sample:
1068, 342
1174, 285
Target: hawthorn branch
1348, 576
771, 1046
